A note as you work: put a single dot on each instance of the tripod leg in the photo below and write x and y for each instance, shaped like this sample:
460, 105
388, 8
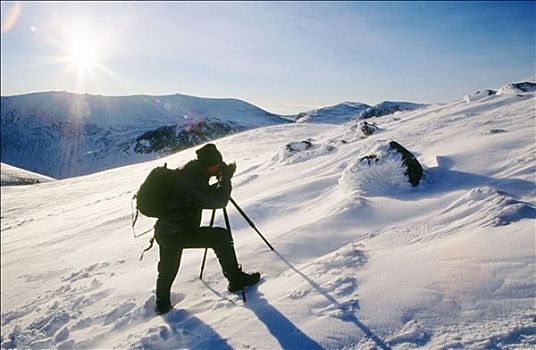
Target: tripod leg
206, 249
250, 223
203, 264
226, 217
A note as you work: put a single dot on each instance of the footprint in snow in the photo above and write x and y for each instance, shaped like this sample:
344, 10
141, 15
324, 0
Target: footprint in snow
412, 332
299, 293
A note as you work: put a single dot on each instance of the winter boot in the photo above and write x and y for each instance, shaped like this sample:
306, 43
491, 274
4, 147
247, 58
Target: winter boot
242, 280
162, 308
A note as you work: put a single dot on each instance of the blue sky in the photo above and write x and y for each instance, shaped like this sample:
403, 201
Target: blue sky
281, 56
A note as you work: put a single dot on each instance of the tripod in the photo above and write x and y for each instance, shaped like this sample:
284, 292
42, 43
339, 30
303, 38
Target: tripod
228, 226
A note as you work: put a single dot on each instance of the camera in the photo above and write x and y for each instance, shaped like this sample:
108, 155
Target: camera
228, 170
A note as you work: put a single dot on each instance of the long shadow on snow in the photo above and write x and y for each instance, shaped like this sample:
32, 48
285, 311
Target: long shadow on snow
184, 325
348, 316
287, 334
443, 179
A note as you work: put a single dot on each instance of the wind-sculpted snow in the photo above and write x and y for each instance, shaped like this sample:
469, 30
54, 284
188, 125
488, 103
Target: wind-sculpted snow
488, 207
382, 174
362, 260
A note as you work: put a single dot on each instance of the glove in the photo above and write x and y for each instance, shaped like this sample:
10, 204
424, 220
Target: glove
227, 170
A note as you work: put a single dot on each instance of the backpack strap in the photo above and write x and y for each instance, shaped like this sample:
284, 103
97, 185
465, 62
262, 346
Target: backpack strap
134, 215
135, 219
151, 242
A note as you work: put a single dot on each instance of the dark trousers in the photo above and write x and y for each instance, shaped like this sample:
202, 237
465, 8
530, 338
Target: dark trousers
171, 246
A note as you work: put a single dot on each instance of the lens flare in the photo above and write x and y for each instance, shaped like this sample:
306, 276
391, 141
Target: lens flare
12, 17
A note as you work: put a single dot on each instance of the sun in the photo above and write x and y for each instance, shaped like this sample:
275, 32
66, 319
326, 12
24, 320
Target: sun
82, 55
82, 50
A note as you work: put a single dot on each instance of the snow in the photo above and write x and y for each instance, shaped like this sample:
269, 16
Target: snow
126, 110
386, 108
513, 88
61, 134
14, 176
479, 95
337, 114
384, 174
362, 260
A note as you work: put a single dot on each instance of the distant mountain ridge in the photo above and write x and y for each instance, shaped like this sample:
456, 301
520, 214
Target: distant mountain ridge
123, 110
11, 175
337, 114
343, 112
386, 108
62, 134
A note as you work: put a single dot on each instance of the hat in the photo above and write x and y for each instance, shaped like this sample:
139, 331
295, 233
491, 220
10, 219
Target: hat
208, 155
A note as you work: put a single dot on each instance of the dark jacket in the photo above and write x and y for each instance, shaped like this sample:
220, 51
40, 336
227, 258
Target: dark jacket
191, 194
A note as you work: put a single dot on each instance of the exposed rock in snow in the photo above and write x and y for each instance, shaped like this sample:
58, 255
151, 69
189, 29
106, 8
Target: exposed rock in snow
381, 171
170, 138
299, 146
297, 152
387, 107
388, 167
361, 129
366, 129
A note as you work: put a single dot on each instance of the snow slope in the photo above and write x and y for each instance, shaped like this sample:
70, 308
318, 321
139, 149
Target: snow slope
387, 107
62, 134
360, 262
336, 114
15, 176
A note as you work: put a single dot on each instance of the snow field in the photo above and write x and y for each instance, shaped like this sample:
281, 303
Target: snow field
359, 263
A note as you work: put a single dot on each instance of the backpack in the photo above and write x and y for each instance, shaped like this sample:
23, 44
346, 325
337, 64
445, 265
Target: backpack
153, 196
155, 192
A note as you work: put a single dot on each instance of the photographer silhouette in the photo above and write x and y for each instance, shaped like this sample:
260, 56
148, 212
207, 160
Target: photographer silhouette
180, 227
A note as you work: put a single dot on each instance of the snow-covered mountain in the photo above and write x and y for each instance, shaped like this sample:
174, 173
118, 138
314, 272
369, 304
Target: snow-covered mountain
61, 134
521, 87
336, 114
386, 108
363, 260
15, 176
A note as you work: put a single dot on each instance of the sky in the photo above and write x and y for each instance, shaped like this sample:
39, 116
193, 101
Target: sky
285, 57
